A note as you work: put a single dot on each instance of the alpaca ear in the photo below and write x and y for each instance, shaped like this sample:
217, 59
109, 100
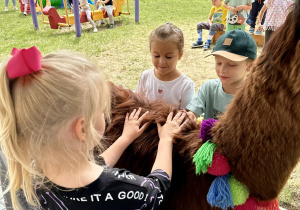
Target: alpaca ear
80, 130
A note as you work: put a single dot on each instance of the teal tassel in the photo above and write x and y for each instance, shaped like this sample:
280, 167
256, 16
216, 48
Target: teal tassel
219, 193
203, 157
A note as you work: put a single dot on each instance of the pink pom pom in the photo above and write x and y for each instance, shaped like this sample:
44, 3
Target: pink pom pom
252, 204
219, 166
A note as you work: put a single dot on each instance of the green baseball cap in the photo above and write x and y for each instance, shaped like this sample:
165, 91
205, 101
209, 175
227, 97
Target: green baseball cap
236, 45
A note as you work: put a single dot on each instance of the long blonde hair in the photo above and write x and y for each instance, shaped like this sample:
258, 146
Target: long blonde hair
36, 112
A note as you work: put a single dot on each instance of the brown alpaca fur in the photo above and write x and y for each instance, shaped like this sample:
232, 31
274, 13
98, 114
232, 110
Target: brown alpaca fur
259, 134
260, 131
188, 191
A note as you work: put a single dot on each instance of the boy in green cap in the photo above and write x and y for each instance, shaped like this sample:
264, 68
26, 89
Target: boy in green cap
233, 52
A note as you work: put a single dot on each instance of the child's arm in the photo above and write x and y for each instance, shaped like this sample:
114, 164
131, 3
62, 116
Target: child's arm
166, 133
245, 7
260, 16
231, 8
209, 20
131, 131
83, 3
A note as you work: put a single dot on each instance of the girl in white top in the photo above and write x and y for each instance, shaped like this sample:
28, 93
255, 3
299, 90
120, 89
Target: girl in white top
85, 7
165, 81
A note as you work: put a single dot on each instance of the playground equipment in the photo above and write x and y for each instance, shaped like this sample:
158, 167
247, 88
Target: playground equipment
67, 20
37, 7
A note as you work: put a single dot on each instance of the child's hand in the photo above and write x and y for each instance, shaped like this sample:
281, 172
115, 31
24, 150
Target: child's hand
240, 7
132, 124
191, 116
172, 126
233, 9
259, 27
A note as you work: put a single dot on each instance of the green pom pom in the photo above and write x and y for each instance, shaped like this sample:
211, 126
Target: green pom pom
203, 157
239, 191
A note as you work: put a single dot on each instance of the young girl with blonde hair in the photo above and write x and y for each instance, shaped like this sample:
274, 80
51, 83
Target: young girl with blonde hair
53, 113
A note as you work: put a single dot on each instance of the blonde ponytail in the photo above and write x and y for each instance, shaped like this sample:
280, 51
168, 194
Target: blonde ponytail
36, 112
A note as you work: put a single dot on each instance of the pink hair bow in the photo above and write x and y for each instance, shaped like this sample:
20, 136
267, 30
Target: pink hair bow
24, 62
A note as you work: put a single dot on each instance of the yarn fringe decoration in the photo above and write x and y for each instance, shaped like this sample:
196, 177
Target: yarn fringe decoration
252, 204
219, 194
219, 165
205, 129
203, 157
240, 192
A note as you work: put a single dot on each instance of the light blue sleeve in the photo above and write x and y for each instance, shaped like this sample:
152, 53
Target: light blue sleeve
198, 103
188, 94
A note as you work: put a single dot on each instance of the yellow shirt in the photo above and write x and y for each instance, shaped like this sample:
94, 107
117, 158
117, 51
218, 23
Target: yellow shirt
219, 14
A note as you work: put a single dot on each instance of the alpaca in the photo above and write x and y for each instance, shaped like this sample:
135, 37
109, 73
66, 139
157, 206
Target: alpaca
140, 155
258, 134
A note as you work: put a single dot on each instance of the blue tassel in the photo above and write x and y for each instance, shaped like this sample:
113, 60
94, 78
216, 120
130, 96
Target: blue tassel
219, 193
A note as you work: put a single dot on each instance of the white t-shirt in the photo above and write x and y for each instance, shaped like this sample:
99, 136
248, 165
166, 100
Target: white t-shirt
178, 92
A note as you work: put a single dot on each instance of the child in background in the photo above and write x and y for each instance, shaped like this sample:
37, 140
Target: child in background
233, 52
85, 7
25, 2
251, 21
237, 14
275, 17
53, 111
216, 22
6, 5
109, 9
165, 81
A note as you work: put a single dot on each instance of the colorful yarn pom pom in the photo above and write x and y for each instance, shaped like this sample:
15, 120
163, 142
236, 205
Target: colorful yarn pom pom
219, 194
219, 165
239, 191
203, 157
205, 129
249, 205
252, 204
268, 205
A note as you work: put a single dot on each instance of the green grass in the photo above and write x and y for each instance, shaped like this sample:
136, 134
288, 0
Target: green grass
123, 53
127, 43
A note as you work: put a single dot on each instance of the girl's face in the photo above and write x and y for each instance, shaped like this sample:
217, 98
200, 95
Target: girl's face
231, 73
165, 55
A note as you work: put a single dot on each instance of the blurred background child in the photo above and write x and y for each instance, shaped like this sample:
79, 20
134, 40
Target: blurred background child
165, 81
109, 9
6, 5
252, 18
85, 7
237, 14
216, 22
275, 17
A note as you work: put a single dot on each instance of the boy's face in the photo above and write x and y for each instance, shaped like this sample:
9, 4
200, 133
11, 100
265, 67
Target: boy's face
231, 73
216, 3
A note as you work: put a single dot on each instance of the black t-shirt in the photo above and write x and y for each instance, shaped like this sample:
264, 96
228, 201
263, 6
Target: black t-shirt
114, 189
